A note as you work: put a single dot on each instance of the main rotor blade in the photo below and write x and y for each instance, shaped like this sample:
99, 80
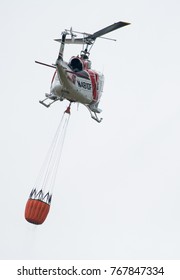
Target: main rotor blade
107, 30
71, 41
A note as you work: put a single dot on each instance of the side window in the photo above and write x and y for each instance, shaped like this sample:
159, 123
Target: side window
76, 65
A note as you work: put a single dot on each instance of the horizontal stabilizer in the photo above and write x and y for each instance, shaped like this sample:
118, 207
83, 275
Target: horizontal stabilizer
45, 64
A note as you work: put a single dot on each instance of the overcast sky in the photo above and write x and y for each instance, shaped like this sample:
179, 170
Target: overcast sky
118, 187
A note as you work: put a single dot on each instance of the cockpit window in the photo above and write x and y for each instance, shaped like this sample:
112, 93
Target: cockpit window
76, 65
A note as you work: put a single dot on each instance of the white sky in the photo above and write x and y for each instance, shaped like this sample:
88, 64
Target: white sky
118, 189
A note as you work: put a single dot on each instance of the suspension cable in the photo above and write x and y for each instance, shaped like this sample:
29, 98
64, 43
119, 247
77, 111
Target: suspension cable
48, 171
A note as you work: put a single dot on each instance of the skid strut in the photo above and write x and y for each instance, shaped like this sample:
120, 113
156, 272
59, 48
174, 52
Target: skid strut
93, 114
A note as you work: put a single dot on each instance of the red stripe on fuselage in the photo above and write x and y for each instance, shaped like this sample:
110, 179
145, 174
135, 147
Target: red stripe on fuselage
93, 77
53, 77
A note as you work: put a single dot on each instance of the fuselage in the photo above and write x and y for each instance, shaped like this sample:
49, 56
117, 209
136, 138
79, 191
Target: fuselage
77, 82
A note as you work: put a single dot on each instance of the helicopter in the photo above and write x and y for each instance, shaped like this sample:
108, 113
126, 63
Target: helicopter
75, 81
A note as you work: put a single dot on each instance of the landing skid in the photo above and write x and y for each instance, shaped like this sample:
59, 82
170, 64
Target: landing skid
49, 104
93, 114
